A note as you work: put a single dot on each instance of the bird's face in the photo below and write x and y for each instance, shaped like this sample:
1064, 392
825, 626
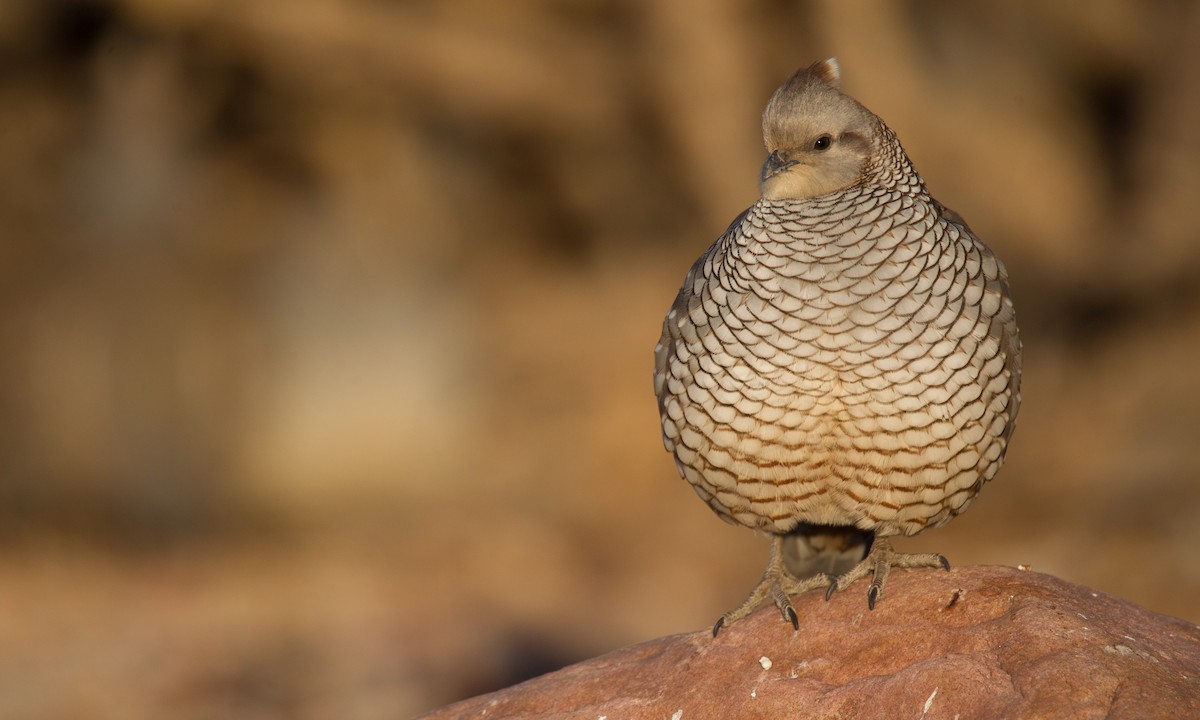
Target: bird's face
818, 140
823, 160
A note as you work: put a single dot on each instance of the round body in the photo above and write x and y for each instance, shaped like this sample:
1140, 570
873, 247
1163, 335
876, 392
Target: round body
850, 359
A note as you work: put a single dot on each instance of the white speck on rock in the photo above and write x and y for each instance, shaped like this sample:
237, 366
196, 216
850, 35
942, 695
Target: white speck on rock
765, 662
678, 714
929, 702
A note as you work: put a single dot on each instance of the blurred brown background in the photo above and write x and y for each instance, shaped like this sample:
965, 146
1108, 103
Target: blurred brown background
326, 325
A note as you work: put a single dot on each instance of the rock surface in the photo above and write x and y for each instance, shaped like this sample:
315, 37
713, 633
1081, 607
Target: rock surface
980, 642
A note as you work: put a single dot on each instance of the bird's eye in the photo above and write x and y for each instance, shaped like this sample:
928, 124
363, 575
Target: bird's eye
822, 143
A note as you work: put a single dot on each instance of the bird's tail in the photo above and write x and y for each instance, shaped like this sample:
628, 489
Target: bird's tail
812, 549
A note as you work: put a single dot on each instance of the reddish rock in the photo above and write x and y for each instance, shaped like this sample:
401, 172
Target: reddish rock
980, 642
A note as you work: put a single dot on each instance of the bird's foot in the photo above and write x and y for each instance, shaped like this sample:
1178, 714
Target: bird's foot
777, 584
879, 563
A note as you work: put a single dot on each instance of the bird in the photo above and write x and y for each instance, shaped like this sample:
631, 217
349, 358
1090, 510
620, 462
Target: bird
842, 366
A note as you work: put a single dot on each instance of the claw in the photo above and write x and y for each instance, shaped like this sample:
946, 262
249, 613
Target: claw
831, 589
776, 585
878, 562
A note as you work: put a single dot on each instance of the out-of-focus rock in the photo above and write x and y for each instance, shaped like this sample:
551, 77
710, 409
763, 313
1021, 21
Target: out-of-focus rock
981, 642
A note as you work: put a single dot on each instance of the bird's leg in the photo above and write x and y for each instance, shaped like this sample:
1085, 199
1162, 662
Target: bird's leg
879, 562
777, 583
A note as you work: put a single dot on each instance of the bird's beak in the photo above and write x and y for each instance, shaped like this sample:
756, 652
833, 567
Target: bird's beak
776, 162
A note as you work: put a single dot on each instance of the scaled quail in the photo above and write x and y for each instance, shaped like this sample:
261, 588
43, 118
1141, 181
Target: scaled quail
842, 365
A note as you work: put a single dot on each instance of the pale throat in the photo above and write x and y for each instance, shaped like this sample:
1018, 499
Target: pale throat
805, 181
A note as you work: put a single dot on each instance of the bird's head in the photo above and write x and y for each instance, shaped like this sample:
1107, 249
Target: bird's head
818, 139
